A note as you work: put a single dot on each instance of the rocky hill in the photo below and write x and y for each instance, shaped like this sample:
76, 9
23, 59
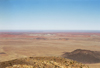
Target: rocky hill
42, 62
83, 56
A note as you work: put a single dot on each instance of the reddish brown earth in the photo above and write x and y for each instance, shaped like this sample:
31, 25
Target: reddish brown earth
25, 44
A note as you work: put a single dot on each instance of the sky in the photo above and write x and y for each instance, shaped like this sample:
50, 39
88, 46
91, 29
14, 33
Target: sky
49, 14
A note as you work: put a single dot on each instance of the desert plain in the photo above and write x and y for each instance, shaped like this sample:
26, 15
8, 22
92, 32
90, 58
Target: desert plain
14, 45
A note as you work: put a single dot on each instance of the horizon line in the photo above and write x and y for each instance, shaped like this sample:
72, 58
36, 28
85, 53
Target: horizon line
98, 31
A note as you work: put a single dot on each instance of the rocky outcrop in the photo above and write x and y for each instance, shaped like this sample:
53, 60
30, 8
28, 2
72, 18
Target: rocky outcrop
42, 62
83, 56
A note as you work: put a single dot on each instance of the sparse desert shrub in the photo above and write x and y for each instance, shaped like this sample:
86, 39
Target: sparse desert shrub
41, 62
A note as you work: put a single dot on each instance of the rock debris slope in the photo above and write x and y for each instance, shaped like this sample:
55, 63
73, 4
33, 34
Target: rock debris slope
42, 62
83, 56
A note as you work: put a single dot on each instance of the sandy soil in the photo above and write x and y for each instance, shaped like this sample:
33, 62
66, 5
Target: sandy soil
97, 65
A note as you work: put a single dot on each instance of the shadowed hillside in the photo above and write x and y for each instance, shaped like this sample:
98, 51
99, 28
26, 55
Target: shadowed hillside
42, 62
83, 56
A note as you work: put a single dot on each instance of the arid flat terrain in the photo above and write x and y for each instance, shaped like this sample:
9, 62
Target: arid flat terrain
15, 45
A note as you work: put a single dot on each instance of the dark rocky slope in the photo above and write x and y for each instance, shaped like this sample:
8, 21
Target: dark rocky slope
83, 56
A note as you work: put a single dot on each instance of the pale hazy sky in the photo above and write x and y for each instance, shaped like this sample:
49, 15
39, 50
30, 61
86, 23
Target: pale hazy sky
49, 14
